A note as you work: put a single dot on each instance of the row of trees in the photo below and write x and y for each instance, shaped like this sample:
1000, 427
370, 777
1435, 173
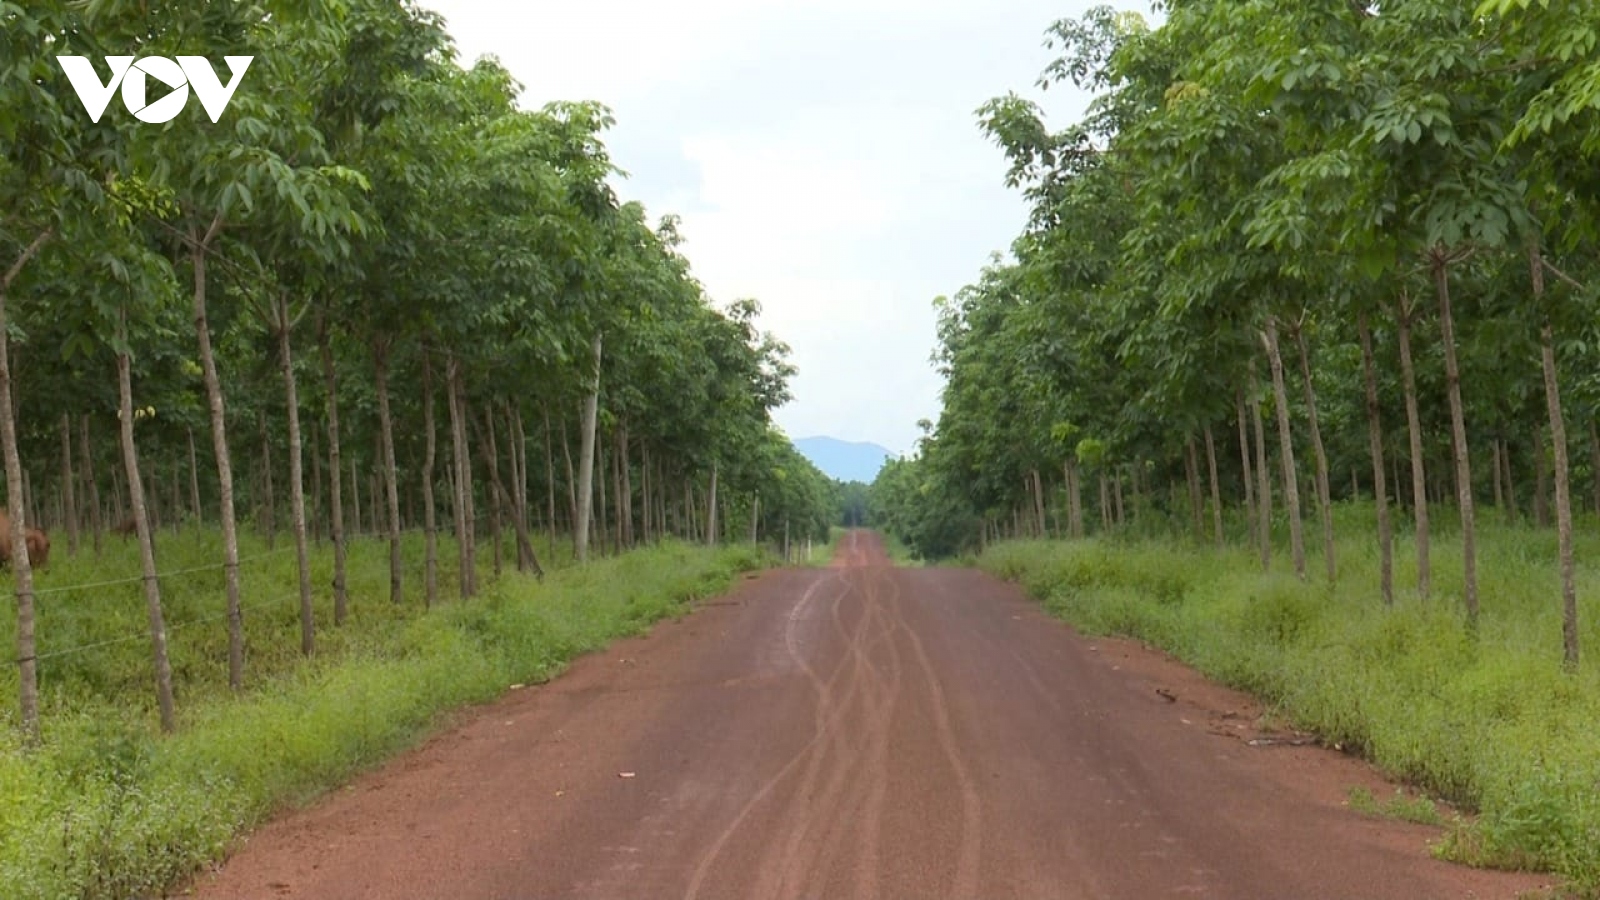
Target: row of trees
374, 243
1354, 237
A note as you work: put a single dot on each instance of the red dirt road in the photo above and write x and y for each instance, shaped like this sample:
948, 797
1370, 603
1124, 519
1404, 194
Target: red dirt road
861, 732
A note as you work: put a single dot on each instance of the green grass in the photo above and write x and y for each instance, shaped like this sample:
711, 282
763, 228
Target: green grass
899, 554
822, 554
108, 809
1490, 724
1421, 810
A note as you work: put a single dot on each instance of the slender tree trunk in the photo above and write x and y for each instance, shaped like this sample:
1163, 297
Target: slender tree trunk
269, 505
1244, 460
1291, 485
297, 492
380, 372
1499, 491
430, 515
1375, 447
316, 488
1263, 476
1324, 488
1419, 475
92, 485
585, 506
162, 667
1116, 483
550, 483
572, 487
755, 520
1036, 487
1513, 510
219, 440
646, 525
1594, 462
69, 497
21, 567
458, 455
489, 446
1105, 503
1558, 442
625, 490
601, 533
1541, 478
1458, 427
518, 446
336, 533
358, 529
1074, 498
1191, 477
1216, 486
711, 508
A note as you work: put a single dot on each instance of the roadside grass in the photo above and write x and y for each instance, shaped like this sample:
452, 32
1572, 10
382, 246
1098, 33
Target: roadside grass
822, 554
107, 808
1491, 725
899, 554
1420, 809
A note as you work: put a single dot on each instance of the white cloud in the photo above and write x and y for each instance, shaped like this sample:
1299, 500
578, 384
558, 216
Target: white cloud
824, 156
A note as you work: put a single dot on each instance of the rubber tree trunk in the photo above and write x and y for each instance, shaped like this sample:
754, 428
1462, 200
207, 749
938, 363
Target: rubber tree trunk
92, 484
1244, 461
69, 497
297, 482
161, 666
380, 375
1594, 461
194, 481
591, 409
199, 247
268, 493
489, 446
21, 568
550, 482
1291, 481
1563, 477
572, 487
430, 520
1380, 493
1263, 476
1191, 477
458, 454
1494, 463
1216, 487
711, 508
1419, 474
1320, 453
330, 378
1541, 480
1458, 428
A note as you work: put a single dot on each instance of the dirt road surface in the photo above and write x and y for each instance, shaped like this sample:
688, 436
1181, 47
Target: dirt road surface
860, 732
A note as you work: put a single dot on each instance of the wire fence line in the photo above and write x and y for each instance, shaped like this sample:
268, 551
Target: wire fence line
217, 567
144, 635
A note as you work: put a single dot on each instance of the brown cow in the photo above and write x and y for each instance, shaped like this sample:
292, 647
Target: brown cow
38, 543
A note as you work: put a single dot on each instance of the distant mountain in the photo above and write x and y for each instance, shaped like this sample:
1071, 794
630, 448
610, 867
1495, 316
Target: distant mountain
844, 460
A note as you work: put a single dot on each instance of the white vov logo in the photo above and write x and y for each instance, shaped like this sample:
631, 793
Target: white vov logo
179, 75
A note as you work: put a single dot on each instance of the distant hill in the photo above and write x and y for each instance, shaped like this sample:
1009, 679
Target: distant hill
844, 460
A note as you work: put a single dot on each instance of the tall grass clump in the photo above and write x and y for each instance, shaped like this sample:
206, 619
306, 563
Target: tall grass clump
108, 809
1489, 721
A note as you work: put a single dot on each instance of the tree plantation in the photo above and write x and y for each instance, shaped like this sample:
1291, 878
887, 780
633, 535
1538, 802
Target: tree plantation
1312, 284
379, 317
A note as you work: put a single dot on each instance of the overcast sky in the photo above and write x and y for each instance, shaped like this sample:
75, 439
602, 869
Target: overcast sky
824, 156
